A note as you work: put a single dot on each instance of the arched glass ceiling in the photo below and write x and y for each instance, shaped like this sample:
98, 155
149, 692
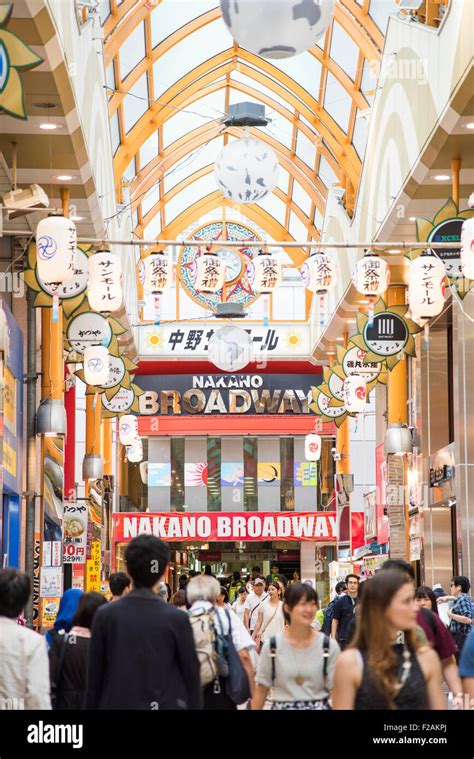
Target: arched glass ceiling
173, 69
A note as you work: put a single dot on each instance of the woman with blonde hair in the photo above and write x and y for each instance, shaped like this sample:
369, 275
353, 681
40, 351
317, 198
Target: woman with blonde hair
385, 666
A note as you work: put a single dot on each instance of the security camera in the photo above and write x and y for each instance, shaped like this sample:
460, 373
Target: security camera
333, 451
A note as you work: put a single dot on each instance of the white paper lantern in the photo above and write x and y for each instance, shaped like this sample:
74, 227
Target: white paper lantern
277, 28
355, 393
319, 273
128, 429
371, 275
56, 240
246, 170
230, 349
135, 451
158, 273
104, 287
312, 447
426, 282
467, 248
209, 273
96, 364
264, 272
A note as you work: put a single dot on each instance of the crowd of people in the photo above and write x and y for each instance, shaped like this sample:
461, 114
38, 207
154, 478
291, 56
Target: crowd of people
255, 642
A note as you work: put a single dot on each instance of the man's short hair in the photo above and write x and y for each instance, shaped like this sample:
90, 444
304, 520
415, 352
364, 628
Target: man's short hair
146, 557
401, 565
349, 577
340, 586
118, 582
255, 569
463, 582
15, 588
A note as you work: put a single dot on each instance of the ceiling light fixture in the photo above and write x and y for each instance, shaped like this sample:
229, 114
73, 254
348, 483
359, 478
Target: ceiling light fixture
469, 125
65, 177
394, 251
49, 125
441, 177
412, 218
351, 321
77, 218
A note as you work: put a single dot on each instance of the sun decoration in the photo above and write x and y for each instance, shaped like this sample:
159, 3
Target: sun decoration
445, 227
15, 56
72, 294
153, 340
293, 340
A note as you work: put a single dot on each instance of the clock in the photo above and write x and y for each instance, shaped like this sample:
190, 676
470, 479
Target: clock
233, 262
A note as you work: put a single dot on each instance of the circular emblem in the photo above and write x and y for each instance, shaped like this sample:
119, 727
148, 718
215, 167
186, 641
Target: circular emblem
116, 372
448, 231
322, 403
121, 402
335, 384
353, 363
46, 247
95, 364
76, 286
388, 334
88, 329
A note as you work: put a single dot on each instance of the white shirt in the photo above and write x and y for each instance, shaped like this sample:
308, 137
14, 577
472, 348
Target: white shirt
253, 604
24, 667
240, 635
239, 609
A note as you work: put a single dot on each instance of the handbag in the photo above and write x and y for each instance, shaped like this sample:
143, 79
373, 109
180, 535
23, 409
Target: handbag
237, 685
55, 682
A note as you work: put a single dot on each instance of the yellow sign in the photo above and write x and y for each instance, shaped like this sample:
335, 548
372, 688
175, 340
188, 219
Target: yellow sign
9, 396
9, 459
93, 568
49, 608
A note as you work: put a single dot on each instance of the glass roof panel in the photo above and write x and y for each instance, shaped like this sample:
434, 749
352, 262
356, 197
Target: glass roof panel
152, 197
337, 102
170, 15
201, 112
115, 132
110, 80
305, 69
381, 10
297, 229
131, 170
104, 10
359, 138
283, 179
275, 207
135, 104
301, 198
153, 229
149, 150
318, 218
189, 195
344, 51
132, 51
305, 149
326, 173
237, 96
202, 156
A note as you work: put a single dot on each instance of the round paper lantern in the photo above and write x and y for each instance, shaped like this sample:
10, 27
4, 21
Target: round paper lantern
209, 273
312, 447
246, 170
264, 272
104, 287
277, 28
135, 451
128, 429
319, 273
96, 364
426, 281
355, 392
371, 275
230, 349
467, 248
56, 240
158, 272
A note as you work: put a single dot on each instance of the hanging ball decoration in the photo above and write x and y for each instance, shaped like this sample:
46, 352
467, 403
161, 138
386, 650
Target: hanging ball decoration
209, 272
371, 276
354, 391
319, 273
467, 248
277, 28
158, 273
128, 429
96, 364
104, 285
230, 349
56, 241
426, 283
135, 451
264, 272
312, 447
246, 170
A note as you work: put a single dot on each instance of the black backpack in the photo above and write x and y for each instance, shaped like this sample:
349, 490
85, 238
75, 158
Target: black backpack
327, 622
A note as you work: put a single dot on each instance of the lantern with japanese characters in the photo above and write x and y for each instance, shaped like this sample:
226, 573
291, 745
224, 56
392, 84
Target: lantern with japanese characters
96, 364
56, 241
264, 272
426, 282
128, 429
246, 170
135, 451
371, 276
354, 391
104, 286
158, 272
209, 272
467, 248
312, 447
319, 273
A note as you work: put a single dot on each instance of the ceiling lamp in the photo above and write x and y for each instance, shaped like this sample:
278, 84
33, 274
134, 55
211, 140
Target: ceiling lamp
230, 349
135, 451
398, 440
426, 282
96, 364
51, 418
371, 275
209, 273
128, 429
246, 170
277, 28
56, 241
312, 447
354, 391
319, 273
158, 272
467, 248
264, 272
92, 467
104, 287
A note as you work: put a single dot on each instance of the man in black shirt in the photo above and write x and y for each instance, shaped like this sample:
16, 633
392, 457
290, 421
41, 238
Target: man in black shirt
344, 611
142, 653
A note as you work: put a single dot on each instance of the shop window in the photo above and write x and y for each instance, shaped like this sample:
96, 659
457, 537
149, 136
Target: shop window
250, 474
287, 488
214, 457
177, 474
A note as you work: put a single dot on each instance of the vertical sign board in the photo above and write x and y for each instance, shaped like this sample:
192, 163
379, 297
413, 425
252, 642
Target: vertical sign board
396, 506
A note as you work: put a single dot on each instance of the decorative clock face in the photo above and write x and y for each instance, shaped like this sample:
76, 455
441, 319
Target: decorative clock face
233, 263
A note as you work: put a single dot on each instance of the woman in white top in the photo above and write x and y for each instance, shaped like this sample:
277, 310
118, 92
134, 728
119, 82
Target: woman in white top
270, 620
239, 605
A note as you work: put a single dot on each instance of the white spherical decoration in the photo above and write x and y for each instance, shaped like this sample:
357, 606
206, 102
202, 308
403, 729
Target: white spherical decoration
354, 391
426, 282
158, 272
128, 429
104, 287
371, 276
277, 28
312, 447
135, 451
264, 273
56, 240
246, 170
319, 273
230, 349
96, 364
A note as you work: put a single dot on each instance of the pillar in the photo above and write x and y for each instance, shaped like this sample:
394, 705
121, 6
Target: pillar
343, 452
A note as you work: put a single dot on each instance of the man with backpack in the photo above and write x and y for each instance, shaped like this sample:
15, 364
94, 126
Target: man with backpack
223, 646
341, 588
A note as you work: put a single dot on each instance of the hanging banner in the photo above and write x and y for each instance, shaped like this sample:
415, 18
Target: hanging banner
216, 526
75, 533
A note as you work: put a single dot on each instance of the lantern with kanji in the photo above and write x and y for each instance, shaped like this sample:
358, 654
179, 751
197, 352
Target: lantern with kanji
158, 272
128, 429
135, 451
354, 391
319, 273
467, 248
104, 286
209, 272
426, 282
56, 241
312, 447
96, 364
371, 276
264, 272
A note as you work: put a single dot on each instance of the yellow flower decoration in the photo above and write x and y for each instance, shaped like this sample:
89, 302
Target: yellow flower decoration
15, 56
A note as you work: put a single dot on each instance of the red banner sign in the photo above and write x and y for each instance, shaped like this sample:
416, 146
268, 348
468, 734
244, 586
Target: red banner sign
216, 526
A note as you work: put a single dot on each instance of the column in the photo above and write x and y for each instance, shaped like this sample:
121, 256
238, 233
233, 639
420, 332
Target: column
268, 474
159, 466
195, 469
